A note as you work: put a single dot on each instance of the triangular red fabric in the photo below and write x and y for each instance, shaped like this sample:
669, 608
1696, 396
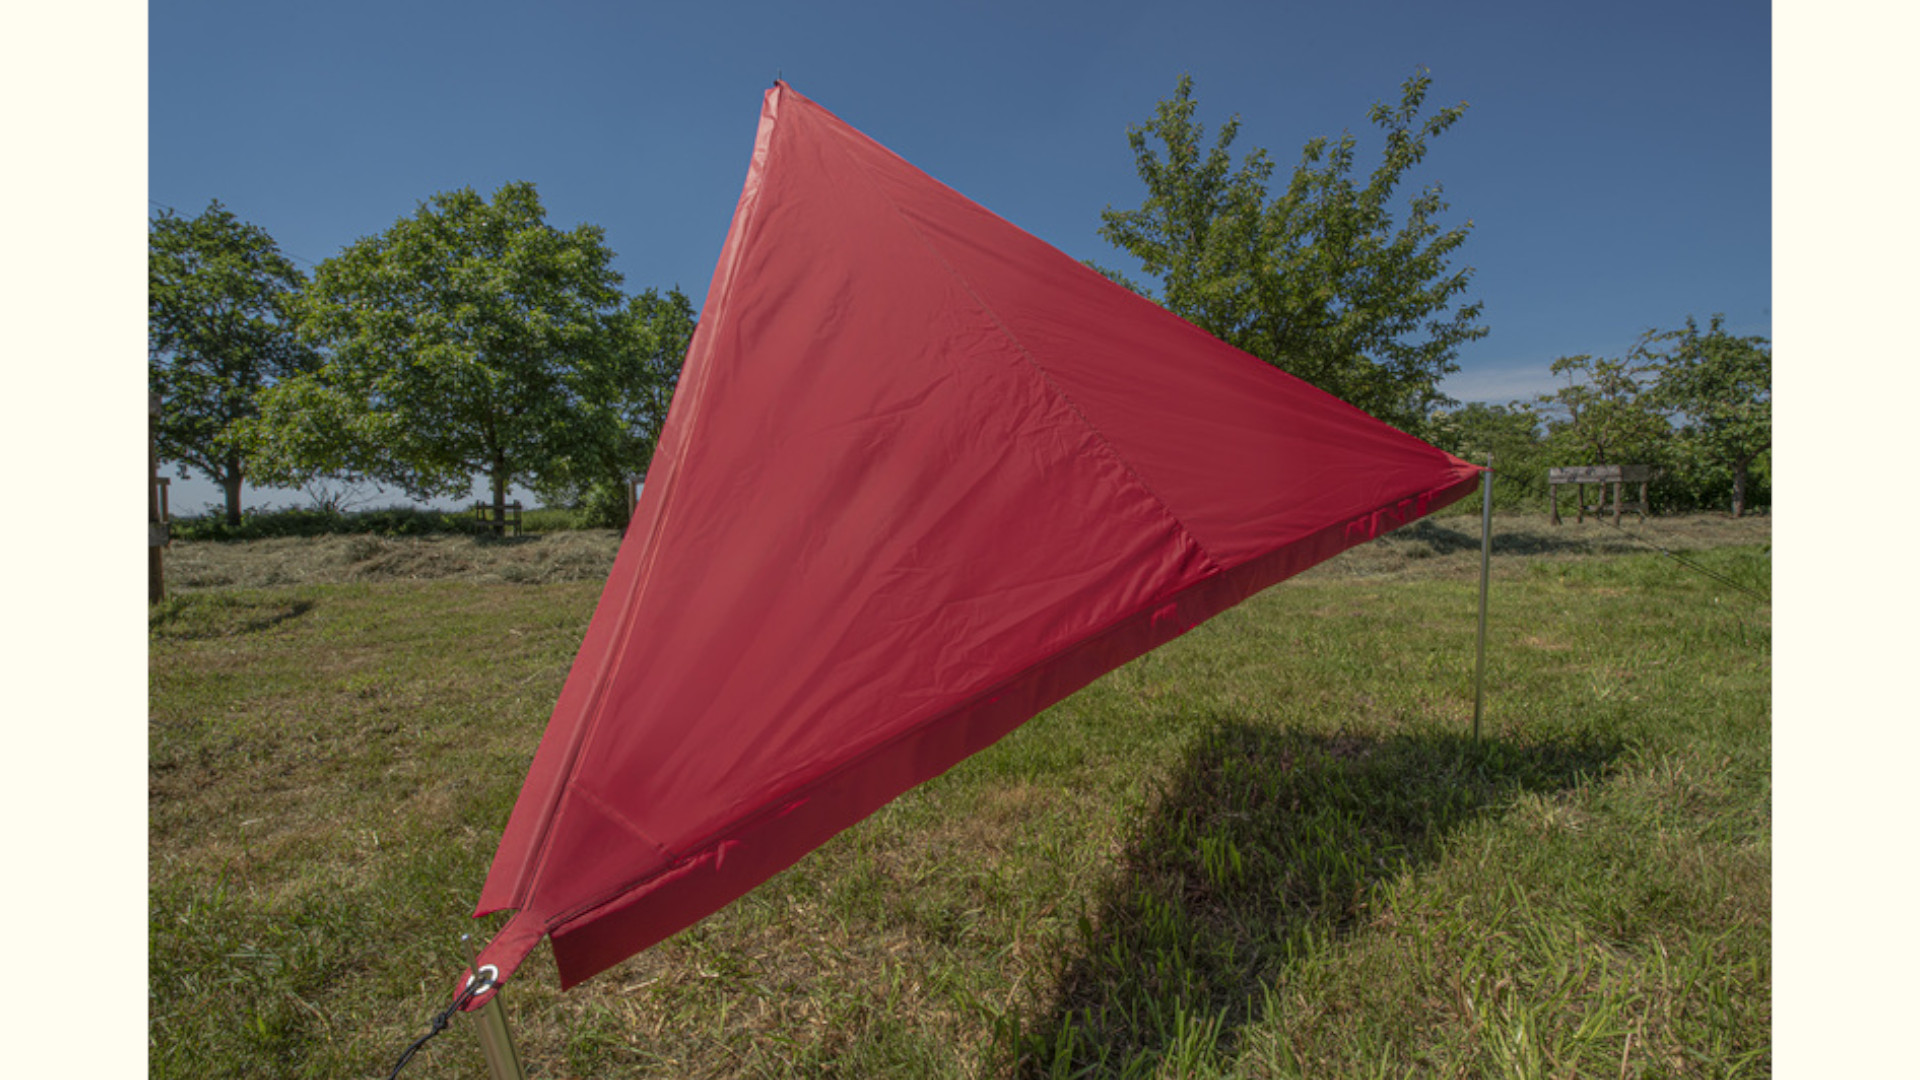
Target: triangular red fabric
924, 476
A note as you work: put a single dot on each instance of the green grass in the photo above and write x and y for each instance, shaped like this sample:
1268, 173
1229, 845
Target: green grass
1268, 849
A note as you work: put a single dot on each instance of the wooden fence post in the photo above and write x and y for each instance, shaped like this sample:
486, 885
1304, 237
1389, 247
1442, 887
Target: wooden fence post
634, 484
156, 519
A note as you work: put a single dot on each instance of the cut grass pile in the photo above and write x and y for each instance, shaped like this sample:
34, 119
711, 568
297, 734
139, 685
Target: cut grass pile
541, 558
1267, 849
310, 522
1446, 545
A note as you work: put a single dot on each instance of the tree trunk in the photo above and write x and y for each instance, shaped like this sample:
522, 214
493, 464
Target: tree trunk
231, 482
1739, 488
499, 494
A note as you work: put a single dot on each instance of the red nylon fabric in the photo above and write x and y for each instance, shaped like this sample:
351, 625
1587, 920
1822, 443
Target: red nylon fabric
923, 477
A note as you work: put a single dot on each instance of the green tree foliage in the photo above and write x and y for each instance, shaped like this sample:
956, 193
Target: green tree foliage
628, 391
1604, 415
1510, 434
1719, 387
464, 339
220, 328
1696, 406
1318, 279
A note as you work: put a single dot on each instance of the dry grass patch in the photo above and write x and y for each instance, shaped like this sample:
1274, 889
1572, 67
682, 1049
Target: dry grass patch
1449, 546
1432, 547
540, 559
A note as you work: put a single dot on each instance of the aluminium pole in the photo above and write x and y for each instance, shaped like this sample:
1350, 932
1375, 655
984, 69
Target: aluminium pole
496, 1042
490, 1021
1486, 559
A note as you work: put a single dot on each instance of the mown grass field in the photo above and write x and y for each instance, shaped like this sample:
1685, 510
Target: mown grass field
1268, 849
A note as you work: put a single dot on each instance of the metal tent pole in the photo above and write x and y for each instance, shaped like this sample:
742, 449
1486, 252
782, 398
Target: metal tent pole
1486, 560
490, 1022
496, 1042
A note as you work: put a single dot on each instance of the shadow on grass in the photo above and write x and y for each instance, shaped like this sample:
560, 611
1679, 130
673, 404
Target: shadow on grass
1447, 540
193, 617
1264, 843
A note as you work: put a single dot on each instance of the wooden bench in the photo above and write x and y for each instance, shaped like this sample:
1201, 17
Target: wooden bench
509, 517
1582, 475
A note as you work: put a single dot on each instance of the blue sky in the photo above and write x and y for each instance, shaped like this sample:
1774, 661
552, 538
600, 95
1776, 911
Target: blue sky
1615, 159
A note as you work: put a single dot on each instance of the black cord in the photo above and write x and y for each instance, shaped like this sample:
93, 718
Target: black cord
475, 987
1701, 570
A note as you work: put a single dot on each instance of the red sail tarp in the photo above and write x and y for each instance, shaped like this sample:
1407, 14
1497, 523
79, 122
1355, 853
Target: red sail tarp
923, 476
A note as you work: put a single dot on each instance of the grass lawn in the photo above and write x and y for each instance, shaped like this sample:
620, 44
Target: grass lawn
1269, 848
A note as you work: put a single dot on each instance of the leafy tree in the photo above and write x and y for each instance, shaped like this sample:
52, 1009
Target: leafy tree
1317, 279
629, 390
1720, 388
1511, 434
1604, 415
460, 341
1476, 429
220, 328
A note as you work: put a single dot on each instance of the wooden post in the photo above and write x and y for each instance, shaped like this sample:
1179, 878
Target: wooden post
1553, 502
634, 483
156, 520
1616, 504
